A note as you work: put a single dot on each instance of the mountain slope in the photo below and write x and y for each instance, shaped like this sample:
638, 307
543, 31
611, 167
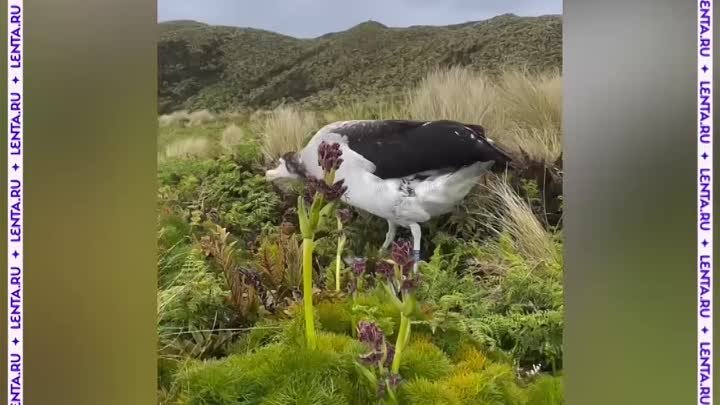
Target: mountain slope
203, 66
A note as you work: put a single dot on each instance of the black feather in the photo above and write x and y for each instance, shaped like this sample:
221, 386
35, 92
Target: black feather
400, 148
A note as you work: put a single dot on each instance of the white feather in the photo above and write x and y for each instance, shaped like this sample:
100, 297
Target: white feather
434, 194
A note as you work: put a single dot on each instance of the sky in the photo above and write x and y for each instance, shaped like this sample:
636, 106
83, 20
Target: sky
312, 18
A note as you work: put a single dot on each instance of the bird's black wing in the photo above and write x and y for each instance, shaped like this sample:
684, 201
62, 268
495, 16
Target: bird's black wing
400, 148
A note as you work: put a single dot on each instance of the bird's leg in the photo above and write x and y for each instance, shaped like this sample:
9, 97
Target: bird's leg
389, 236
416, 234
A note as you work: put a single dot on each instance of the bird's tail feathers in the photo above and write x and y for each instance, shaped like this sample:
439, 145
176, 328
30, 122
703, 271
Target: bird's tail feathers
456, 185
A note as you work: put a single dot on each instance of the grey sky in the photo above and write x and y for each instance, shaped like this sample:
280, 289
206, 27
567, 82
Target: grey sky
311, 18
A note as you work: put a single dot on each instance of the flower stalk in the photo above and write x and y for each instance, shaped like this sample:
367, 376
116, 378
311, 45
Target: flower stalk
402, 339
376, 363
356, 283
322, 196
400, 278
343, 217
308, 247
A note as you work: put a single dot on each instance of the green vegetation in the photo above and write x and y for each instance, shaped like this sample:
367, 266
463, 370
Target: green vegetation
483, 321
221, 68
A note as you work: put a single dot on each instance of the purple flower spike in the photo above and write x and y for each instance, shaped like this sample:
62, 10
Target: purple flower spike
394, 380
402, 253
390, 355
329, 156
331, 193
335, 191
345, 215
359, 266
369, 333
410, 284
313, 186
385, 269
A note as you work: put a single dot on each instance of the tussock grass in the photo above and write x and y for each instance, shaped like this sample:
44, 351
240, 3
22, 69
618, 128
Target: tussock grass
200, 117
188, 147
175, 118
285, 130
531, 108
519, 109
183, 118
232, 137
457, 94
366, 110
510, 215
532, 100
543, 145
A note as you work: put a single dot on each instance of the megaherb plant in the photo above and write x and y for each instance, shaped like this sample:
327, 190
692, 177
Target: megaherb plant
322, 196
376, 365
381, 366
400, 280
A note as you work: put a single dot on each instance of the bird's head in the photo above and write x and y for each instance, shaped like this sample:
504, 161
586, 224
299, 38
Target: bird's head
289, 167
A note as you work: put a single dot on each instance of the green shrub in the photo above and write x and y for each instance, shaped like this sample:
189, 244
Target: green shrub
171, 261
531, 339
222, 191
546, 390
495, 385
174, 230
334, 317
279, 374
493, 295
422, 359
262, 334
425, 392
196, 297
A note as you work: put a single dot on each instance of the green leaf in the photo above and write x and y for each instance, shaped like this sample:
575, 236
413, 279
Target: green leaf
396, 302
408, 306
367, 373
303, 219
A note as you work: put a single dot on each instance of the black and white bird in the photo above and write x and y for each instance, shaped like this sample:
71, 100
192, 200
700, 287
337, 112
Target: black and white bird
406, 172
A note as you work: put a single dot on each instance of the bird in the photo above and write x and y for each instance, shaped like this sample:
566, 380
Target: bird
404, 171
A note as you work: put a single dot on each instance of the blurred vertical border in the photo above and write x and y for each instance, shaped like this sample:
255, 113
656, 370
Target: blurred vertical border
90, 151
90, 201
630, 165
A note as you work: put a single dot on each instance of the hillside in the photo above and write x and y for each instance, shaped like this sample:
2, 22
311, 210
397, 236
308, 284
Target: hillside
217, 67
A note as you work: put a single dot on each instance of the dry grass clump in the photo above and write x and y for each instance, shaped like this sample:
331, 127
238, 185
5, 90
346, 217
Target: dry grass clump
188, 147
456, 93
232, 137
175, 118
519, 109
365, 110
200, 117
531, 105
285, 130
183, 118
512, 216
532, 100
540, 144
